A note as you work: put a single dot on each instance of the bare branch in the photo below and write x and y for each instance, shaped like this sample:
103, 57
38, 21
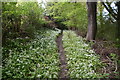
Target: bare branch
111, 8
110, 11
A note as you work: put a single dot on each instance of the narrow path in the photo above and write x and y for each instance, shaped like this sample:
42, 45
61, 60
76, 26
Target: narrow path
62, 57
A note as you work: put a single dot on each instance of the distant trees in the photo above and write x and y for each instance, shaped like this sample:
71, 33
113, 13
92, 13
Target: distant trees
92, 19
20, 19
74, 14
115, 14
69, 14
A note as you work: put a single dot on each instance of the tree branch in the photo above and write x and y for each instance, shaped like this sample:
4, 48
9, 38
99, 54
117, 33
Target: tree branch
111, 8
110, 11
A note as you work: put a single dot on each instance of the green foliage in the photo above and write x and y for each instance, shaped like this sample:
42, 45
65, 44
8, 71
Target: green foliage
20, 18
107, 31
35, 59
82, 61
106, 28
31, 12
116, 61
70, 14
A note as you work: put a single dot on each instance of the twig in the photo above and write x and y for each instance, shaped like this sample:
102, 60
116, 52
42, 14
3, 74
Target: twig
109, 58
116, 66
104, 69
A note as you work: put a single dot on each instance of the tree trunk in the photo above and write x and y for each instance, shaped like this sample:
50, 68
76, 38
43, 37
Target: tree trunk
118, 27
118, 20
118, 32
92, 21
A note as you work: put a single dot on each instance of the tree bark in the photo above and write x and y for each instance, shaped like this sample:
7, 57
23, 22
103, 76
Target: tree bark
118, 31
118, 20
92, 21
118, 28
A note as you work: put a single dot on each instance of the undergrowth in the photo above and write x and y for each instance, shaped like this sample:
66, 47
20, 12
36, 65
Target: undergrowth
82, 60
36, 58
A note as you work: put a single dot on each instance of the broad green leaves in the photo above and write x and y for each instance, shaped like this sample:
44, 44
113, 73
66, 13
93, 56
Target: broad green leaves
19, 18
70, 14
35, 59
82, 61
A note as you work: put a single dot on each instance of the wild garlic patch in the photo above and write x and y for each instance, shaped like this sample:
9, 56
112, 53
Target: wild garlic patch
82, 62
36, 59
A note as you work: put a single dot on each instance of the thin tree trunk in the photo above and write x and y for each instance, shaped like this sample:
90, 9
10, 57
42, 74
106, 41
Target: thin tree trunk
118, 26
118, 32
92, 21
118, 20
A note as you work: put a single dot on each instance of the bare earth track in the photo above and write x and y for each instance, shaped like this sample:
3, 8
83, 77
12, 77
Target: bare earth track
62, 57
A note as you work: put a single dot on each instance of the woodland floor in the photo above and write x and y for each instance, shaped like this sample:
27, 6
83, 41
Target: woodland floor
104, 49
60, 54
